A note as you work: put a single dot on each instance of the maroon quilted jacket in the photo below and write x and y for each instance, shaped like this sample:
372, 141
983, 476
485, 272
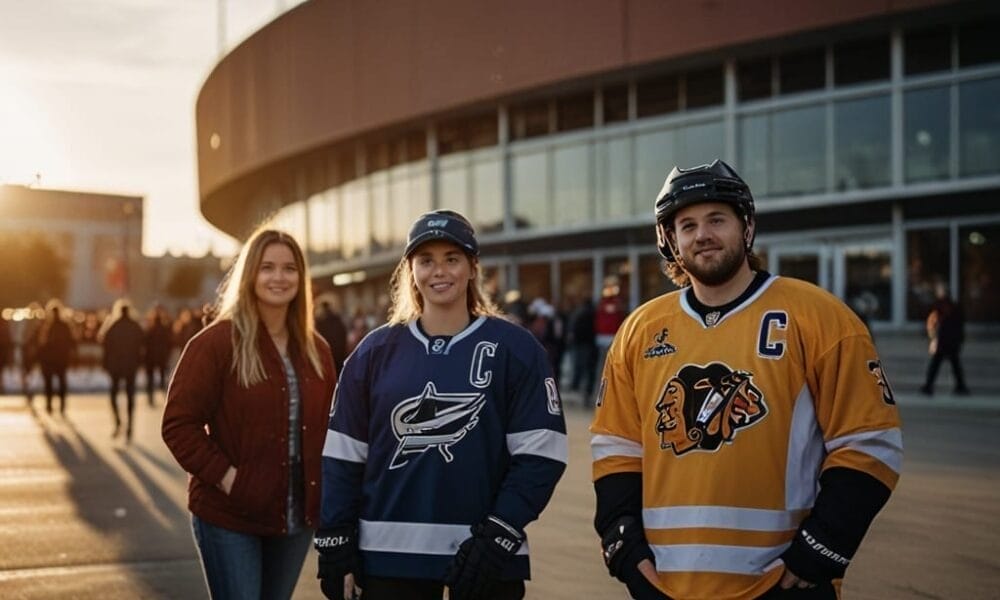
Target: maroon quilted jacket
211, 422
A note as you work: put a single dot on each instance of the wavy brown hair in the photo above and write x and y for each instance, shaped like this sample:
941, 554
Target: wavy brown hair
408, 304
238, 303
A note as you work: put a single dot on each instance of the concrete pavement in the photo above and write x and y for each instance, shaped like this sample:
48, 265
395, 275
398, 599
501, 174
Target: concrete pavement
85, 516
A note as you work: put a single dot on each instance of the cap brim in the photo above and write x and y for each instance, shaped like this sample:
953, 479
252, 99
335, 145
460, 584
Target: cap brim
439, 235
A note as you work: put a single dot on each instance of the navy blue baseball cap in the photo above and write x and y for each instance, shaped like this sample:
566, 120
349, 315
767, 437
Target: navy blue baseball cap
443, 225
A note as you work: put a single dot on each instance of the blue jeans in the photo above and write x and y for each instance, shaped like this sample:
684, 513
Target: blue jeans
241, 566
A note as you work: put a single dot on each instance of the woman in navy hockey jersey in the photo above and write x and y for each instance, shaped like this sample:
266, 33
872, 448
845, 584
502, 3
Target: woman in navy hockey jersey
447, 437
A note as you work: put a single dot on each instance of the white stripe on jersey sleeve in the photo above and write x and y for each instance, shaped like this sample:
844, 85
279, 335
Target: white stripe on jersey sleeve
414, 538
540, 442
603, 446
885, 445
742, 560
720, 517
344, 447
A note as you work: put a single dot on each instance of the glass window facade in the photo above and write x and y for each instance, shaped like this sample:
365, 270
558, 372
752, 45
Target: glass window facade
753, 79
927, 252
753, 152
798, 151
575, 112
927, 50
657, 96
614, 197
979, 127
861, 61
654, 158
869, 282
453, 189
926, 139
977, 42
488, 193
530, 189
802, 71
861, 153
381, 209
979, 255
576, 280
571, 185
535, 281
652, 281
704, 88
698, 144
824, 142
615, 103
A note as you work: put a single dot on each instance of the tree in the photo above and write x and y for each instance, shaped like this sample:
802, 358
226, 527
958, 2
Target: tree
33, 269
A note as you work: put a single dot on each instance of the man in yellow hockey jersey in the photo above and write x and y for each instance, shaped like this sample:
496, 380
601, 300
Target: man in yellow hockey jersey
745, 434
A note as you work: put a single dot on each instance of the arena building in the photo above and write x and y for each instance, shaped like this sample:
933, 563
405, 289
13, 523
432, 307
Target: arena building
869, 132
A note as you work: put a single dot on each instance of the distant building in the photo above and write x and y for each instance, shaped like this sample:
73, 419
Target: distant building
99, 236
869, 132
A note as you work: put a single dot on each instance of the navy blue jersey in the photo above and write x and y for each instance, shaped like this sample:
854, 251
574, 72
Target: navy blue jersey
429, 435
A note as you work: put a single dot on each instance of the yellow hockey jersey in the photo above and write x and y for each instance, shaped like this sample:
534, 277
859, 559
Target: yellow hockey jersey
732, 424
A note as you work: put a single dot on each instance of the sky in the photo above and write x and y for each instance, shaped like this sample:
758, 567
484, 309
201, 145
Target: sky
99, 95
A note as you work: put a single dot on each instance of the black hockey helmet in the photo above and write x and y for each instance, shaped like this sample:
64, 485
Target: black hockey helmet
717, 182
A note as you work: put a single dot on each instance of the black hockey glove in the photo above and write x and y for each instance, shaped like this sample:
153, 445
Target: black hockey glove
338, 556
814, 555
624, 546
482, 558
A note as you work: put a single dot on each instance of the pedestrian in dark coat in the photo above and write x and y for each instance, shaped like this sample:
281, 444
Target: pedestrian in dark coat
331, 327
122, 342
56, 347
946, 330
157, 344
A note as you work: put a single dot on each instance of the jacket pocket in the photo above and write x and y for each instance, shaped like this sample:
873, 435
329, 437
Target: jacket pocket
255, 491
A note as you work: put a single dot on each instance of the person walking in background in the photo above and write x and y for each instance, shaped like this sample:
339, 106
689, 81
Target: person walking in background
745, 434
331, 327
608, 317
157, 345
28, 342
246, 415
56, 348
583, 347
946, 330
447, 422
121, 339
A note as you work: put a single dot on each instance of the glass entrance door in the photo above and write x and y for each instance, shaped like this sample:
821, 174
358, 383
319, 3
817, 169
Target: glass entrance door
808, 263
863, 278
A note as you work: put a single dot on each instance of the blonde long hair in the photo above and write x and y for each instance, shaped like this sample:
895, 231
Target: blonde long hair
408, 304
238, 303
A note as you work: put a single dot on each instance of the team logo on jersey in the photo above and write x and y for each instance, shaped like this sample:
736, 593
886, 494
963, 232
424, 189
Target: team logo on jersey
660, 346
703, 406
433, 420
875, 368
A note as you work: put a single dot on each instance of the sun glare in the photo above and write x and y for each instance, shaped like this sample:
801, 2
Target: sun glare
27, 143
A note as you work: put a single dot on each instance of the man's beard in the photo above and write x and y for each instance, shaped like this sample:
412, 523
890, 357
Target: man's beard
718, 271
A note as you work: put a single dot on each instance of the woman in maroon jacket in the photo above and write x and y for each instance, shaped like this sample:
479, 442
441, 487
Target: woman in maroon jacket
246, 416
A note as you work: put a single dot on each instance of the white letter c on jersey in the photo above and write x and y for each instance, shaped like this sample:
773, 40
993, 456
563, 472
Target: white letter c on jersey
477, 375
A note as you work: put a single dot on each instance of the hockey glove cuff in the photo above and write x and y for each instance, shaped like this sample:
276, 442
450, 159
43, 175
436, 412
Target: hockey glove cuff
815, 555
623, 546
481, 559
338, 556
